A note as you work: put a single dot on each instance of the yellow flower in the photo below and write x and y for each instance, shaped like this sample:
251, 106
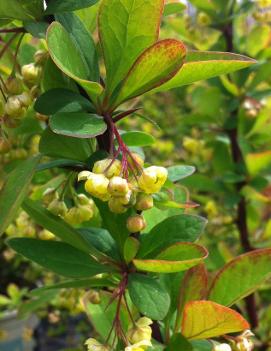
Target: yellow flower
107, 167
118, 186
222, 347
95, 345
141, 331
152, 179
140, 346
96, 185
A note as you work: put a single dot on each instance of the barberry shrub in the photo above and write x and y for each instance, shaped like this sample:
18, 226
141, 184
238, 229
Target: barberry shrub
122, 226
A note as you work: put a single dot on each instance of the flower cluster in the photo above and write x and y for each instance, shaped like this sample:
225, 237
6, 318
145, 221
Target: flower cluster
82, 211
106, 183
242, 342
21, 90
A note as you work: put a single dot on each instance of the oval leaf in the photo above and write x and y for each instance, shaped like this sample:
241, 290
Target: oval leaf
14, 191
180, 228
176, 258
241, 277
77, 124
149, 296
206, 319
58, 257
61, 100
128, 34
57, 6
155, 66
69, 59
201, 65
176, 173
137, 138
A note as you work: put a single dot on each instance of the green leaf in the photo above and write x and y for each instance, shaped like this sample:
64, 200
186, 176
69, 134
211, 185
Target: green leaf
136, 138
128, 34
101, 240
58, 257
258, 162
77, 124
241, 277
61, 163
21, 9
61, 100
149, 296
102, 315
179, 343
114, 223
59, 6
201, 65
180, 228
84, 42
37, 29
69, 59
206, 319
55, 224
174, 8
130, 249
27, 308
155, 66
15, 190
62, 146
176, 258
176, 173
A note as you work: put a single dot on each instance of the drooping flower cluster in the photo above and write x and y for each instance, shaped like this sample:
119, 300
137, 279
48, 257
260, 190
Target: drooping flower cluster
106, 183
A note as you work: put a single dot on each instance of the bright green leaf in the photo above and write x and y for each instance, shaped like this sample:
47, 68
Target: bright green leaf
77, 124
179, 343
241, 277
176, 258
201, 65
69, 59
149, 296
156, 65
258, 162
15, 190
58, 257
174, 8
21, 9
128, 34
206, 319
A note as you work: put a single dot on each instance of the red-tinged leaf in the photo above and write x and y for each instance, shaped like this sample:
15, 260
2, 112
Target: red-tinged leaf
200, 65
207, 319
258, 162
155, 66
176, 258
241, 277
194, 287
126, 29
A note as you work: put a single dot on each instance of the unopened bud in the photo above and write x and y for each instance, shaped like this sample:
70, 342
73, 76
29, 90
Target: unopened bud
95, 345
118, 186
136, 223
13, 86
85, 213
31, 73
25, 99
116, 206
108, 167
144, 202
14, 107
58, 208
4, 146
141, 331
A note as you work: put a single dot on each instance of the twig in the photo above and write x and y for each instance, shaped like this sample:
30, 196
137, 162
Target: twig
8, 43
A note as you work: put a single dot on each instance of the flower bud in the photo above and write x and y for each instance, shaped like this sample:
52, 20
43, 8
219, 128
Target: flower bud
118, 186
140, 346
95, 345
141, 331
31, 73
136, 224
191, 145
85, 212
94, 297
107, 167
14, 107
222, 347
40, 57
4, 146
58, 208
152, 179
49, 195
244, 343
13, 86
96, 185
144, 202
116, 206
73, 216
25, 99
84, 200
